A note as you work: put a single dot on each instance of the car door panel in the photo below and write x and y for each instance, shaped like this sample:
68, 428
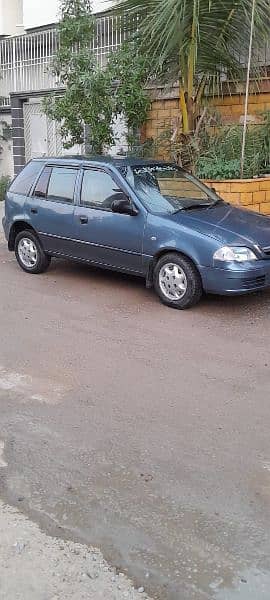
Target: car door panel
109, 238
51, 213
105, 237
55, 224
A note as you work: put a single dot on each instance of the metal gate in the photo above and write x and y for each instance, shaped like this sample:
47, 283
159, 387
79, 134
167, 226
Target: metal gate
43, 138
41, 134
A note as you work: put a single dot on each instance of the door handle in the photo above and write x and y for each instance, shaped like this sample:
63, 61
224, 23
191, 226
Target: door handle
83, 219
34, 210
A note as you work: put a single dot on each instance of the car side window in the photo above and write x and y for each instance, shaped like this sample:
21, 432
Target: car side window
56, 183
61, 185
42, 184
98, 190
24, 181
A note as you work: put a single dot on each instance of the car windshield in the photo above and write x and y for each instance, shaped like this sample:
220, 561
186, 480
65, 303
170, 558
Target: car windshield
167, 189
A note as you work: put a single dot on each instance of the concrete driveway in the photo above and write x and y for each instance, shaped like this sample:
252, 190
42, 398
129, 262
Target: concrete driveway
138, 429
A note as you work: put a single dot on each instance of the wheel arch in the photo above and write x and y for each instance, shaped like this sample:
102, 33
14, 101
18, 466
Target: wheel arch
16, 228
158, 255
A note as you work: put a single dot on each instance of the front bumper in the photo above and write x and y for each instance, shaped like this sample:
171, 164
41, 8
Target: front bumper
236, 278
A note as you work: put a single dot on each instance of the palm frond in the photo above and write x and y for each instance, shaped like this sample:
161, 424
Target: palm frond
218, 32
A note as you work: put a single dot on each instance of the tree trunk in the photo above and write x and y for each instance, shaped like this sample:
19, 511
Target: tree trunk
188, 112
184, 111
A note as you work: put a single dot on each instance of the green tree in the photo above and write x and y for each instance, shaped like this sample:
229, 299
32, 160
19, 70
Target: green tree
129, 73
84, 108
195, 42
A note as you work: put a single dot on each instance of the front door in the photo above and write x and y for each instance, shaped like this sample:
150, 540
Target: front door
51, 209
105, 237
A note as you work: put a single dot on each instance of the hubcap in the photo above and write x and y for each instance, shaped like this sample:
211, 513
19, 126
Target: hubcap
172, 281
27, 251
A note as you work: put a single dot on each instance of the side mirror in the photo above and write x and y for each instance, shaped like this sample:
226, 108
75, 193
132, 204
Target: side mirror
124, 206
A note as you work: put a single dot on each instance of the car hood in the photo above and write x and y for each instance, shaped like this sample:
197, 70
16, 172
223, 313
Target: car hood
228, 224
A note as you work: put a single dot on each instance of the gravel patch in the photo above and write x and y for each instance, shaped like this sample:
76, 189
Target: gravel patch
34, 566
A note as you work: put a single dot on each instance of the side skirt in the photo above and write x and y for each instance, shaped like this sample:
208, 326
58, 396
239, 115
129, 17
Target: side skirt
96, 264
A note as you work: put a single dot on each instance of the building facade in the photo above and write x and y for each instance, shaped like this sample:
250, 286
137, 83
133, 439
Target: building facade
28, 43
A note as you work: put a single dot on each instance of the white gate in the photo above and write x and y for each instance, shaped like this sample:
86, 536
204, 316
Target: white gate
35, 130
42, 136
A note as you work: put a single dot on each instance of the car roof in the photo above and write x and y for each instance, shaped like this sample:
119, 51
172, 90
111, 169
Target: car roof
117, 162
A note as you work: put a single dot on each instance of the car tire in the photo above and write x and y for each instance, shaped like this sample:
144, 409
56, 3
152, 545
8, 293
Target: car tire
177, 281
30, 254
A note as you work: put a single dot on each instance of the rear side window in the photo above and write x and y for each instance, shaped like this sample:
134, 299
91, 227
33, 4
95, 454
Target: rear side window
24, 181
56, 183
42, 183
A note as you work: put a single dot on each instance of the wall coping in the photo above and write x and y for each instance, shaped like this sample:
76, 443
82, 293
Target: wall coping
253, 180
160, 91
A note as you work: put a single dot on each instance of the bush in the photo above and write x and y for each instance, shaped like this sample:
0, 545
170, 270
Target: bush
218, 168
214, 152
219, 156
4, 183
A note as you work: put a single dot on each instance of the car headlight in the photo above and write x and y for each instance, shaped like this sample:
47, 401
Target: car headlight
234, 253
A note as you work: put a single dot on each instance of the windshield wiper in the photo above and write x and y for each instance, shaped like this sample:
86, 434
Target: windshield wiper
217, 201
192, 206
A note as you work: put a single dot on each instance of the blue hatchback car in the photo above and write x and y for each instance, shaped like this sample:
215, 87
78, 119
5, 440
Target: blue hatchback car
149, 218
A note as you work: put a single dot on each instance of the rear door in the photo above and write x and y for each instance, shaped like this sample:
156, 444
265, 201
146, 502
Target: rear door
51, 208
107, 238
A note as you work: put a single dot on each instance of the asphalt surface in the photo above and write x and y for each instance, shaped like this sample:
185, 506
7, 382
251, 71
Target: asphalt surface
138, 429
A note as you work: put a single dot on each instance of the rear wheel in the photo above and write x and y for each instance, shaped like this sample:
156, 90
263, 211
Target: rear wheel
29, 253
177, 281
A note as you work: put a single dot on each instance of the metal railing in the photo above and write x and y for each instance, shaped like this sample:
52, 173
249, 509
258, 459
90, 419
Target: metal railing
25, 60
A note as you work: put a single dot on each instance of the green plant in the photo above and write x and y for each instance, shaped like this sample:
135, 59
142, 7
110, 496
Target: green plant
219, 156
207, 168
195, 42
4, 183
84, 109
129, 73
6, 131
213, 152
185, 149
91, 96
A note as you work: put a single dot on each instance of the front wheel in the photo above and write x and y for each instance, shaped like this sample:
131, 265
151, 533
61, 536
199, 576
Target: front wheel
177, 281
29, 253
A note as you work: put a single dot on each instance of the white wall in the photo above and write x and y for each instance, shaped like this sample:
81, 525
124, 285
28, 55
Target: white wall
39, 12
11, 17
6, 154
34, 13
100, 5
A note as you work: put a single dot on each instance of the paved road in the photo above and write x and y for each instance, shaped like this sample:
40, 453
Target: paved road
139, 429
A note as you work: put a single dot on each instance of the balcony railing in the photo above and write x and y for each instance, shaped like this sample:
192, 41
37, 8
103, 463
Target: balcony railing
25, 60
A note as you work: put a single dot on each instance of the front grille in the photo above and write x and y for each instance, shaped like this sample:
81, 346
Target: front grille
255, 282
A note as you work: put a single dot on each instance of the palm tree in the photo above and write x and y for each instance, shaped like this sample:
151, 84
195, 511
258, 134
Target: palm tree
195, 42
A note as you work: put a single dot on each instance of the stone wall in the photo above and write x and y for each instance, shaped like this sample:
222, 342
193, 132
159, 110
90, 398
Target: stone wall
231, 108
253, 194
165, 108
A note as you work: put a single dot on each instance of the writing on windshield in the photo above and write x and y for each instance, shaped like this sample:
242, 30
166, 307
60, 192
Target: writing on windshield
165, 189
